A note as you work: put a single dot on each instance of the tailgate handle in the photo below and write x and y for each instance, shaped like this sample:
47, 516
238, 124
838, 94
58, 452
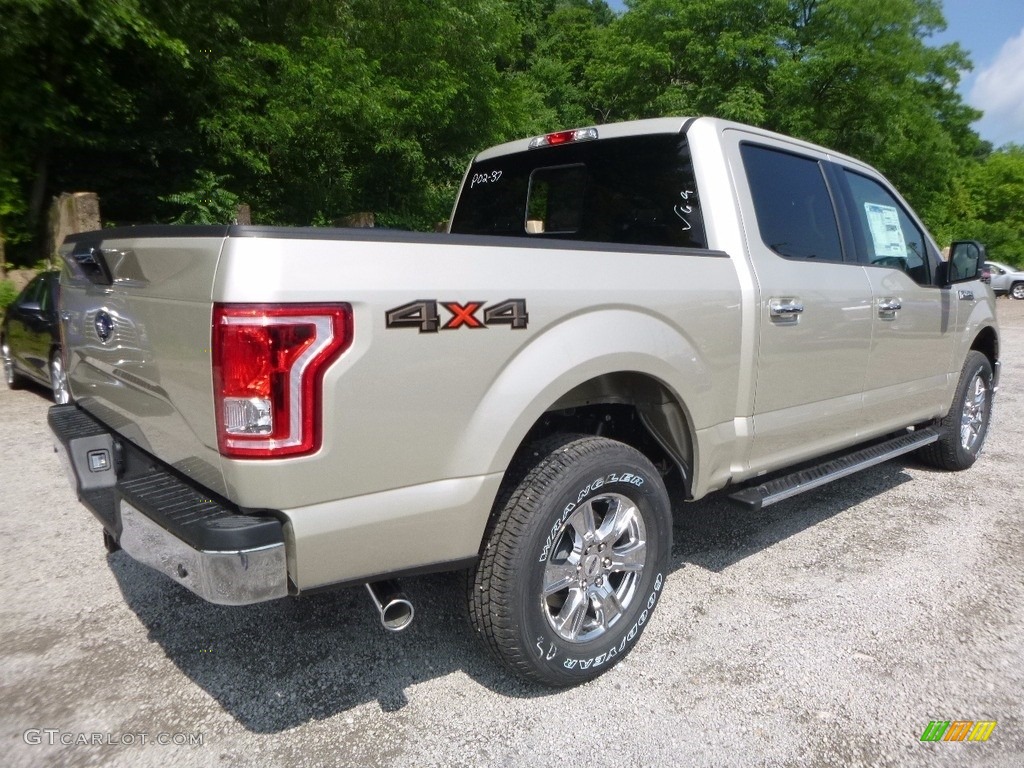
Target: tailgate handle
93, 265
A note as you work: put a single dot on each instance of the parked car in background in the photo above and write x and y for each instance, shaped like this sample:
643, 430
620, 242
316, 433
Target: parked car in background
1006, 280
30, 338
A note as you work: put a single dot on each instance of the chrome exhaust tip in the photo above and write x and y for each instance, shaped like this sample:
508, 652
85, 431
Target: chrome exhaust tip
394, 607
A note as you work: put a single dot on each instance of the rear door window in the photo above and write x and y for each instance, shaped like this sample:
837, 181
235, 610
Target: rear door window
795, 215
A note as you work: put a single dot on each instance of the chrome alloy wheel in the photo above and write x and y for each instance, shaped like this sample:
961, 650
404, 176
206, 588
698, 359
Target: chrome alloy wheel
972, 420
59, 380
8, 363
596, 563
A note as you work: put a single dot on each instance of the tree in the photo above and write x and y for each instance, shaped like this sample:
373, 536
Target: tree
862, 79
565, 39
59, 90
312, 109
854, 75
991, 205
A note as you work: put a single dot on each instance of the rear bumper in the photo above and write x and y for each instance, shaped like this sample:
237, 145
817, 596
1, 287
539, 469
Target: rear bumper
163, 520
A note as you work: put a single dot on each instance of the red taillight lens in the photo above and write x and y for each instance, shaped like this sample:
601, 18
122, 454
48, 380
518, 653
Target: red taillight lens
268, 366
563, 137
560, 137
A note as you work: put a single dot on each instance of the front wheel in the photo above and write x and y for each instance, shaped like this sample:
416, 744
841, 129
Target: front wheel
574, 561
59, 379
11, 377
964, 428
1017, 291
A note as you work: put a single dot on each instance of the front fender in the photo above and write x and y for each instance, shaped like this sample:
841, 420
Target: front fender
978, 330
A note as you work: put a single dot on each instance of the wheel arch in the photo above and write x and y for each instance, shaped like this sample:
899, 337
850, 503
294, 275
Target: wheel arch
613, 366
629, 406
987, 342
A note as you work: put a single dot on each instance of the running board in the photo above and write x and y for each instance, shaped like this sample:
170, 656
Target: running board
766, 494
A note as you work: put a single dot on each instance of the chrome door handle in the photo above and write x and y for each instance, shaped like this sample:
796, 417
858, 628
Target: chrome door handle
887, 308
785, 308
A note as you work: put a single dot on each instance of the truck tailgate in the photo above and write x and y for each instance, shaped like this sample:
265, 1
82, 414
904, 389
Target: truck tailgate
136, 313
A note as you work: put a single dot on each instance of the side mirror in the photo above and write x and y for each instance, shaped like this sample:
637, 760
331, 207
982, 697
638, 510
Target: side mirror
966, 259
31, 307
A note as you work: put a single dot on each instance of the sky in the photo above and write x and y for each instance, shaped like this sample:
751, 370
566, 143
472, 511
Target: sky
992, 32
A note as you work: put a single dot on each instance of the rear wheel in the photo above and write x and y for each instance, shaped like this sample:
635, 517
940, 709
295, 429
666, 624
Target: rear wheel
574, 561
11, 376
59, 379
1017, 291
964, 428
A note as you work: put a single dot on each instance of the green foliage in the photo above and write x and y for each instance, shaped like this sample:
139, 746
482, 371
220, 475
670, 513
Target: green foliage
207, 202
8, 293
68, 88
314, 109
993, 205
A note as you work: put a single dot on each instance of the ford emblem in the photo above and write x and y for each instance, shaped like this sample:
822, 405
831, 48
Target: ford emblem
104, 325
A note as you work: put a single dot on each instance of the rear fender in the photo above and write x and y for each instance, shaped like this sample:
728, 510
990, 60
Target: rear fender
564, 357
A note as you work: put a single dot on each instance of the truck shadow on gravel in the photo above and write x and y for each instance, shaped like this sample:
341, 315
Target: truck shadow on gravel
278, 665
715, 533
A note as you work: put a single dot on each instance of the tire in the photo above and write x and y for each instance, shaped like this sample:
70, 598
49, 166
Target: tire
11, 377
590, 518
964, 428
59, 379
1017, 290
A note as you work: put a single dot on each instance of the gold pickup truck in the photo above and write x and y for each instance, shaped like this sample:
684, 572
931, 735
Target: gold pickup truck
686, 303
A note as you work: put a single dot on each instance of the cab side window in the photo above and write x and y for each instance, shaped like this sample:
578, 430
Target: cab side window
885, 235
792, 202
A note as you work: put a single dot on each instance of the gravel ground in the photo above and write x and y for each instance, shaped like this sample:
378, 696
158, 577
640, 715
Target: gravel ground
828, 630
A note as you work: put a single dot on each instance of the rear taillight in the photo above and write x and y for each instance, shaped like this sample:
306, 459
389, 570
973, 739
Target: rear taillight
268, 367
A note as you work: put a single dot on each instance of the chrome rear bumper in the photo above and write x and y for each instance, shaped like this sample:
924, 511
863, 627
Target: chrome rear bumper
225, 578
164, 519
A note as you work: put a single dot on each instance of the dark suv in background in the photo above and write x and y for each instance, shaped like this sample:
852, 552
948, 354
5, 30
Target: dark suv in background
30, 338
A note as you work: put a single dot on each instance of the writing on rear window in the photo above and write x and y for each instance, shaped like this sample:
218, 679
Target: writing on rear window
636, 190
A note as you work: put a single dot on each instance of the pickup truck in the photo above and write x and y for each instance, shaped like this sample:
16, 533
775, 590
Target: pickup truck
615, 310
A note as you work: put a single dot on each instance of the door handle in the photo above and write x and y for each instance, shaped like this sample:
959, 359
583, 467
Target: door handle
785, 309
887, 308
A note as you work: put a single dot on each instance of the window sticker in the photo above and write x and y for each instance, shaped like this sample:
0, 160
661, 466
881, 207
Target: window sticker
886, 233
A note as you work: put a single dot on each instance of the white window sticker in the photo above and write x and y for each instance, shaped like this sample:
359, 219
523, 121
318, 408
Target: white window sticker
884, 222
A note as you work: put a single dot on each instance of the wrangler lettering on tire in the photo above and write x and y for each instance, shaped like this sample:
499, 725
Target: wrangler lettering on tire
574, 560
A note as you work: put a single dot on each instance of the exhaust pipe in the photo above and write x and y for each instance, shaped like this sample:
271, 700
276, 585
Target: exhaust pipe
394, 607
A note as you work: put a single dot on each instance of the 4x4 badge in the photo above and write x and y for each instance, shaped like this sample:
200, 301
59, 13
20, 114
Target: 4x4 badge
425, 317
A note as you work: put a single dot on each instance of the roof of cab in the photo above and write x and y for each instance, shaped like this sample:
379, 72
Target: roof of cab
670, 125
605, 131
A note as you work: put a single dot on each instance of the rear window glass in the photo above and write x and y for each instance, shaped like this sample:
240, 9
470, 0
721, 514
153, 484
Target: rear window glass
638, 190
